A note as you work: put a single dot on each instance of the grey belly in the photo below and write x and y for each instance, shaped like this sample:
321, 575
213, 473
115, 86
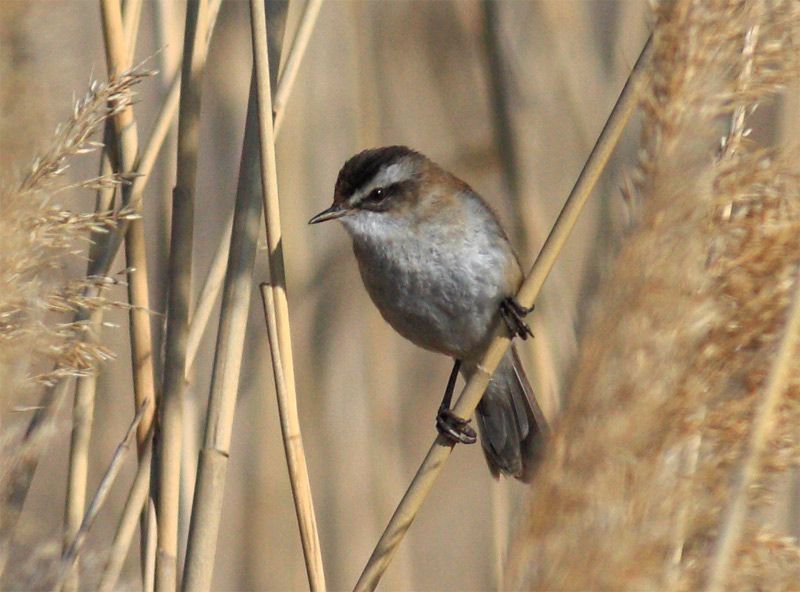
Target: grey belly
446, 312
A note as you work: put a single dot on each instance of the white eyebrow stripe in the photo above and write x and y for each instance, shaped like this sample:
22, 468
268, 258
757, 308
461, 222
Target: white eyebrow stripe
389, 175
394, 173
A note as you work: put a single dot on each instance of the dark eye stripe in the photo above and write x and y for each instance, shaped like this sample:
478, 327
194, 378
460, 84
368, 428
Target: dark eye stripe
378, 199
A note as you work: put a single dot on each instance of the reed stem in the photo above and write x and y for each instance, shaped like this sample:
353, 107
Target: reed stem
230, 338
120, 41
212, 466
277, 307
180, 276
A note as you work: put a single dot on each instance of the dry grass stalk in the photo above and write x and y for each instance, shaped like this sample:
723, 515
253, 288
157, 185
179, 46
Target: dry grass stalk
132, 14
119, 56
216, 272
147, 159
180, 274
280, 327
100, 263
690, 321
465, 405
78, 467
212, 285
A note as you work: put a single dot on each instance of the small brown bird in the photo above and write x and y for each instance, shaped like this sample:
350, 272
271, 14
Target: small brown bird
440, 269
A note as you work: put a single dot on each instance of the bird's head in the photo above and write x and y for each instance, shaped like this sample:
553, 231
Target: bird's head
384, 187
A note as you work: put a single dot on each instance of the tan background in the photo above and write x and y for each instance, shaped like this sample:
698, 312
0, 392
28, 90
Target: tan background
375, 73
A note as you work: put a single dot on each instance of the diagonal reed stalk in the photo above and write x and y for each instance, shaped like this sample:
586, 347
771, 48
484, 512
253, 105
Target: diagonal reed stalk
180, 276
70, 555
131, 512
733, 521
216, 272
465, 406
119, 56
293, 447
293, 61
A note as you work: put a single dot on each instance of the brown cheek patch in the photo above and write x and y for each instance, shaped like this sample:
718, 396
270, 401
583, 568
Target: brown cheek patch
443, 201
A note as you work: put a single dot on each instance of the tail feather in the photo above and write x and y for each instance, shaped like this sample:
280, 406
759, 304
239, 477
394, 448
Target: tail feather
510, 421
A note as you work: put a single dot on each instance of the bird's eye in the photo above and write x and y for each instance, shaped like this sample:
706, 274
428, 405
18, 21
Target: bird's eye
376, 194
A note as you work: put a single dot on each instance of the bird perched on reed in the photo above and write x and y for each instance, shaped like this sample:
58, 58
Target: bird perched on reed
440, 269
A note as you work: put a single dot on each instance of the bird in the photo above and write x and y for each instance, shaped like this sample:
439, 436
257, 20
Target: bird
440, 269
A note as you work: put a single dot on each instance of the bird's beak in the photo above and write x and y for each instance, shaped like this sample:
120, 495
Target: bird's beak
337, 210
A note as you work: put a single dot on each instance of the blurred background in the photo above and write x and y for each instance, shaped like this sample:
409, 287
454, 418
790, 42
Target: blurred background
507, 95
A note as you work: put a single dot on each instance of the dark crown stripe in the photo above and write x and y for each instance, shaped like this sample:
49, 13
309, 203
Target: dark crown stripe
362, 168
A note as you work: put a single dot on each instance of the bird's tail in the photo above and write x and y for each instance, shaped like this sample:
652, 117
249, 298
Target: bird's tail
510, 421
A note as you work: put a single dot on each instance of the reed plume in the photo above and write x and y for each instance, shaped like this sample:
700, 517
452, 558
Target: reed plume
633, 490
39, 235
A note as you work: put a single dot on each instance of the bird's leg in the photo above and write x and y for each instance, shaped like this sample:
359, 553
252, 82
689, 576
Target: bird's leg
514, 314
452, 427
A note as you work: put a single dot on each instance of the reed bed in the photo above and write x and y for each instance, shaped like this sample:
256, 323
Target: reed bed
682, 413
666, 318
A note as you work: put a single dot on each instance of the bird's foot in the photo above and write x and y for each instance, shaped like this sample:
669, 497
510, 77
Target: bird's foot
514, 314
455, 428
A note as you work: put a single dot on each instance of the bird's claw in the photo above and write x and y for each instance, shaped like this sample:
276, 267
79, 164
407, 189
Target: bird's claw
455, 428
514, 314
